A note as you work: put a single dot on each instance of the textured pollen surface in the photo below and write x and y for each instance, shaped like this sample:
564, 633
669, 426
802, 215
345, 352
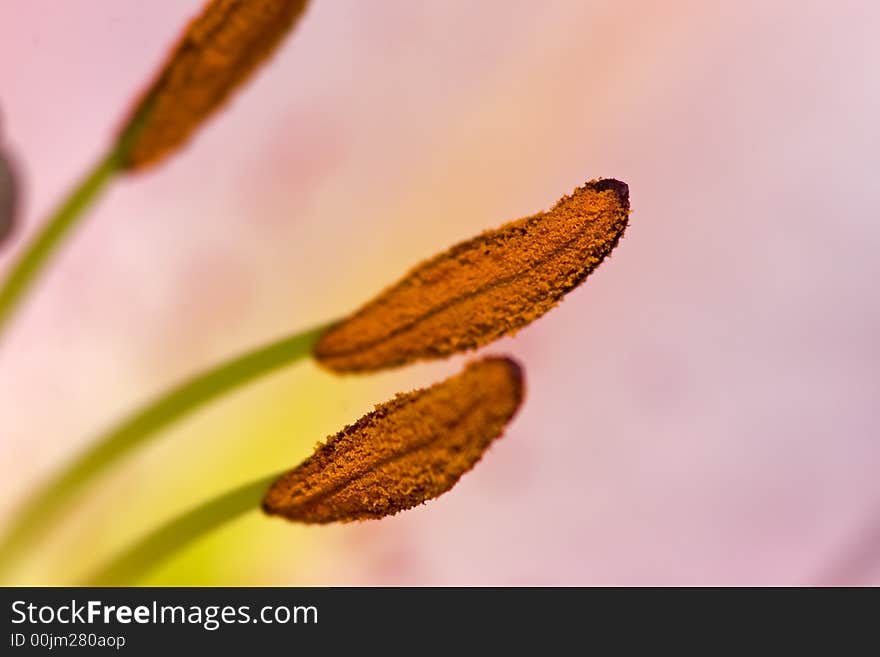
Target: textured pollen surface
484, 288
217, 53
409, 450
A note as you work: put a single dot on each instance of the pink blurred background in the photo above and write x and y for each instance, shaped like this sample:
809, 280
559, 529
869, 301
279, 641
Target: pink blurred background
703, 411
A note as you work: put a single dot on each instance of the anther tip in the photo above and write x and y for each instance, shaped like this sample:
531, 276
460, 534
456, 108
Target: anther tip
617, 186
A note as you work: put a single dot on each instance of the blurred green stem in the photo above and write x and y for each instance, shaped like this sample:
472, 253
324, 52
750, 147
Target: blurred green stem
43, 508
33, 261
144, 555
